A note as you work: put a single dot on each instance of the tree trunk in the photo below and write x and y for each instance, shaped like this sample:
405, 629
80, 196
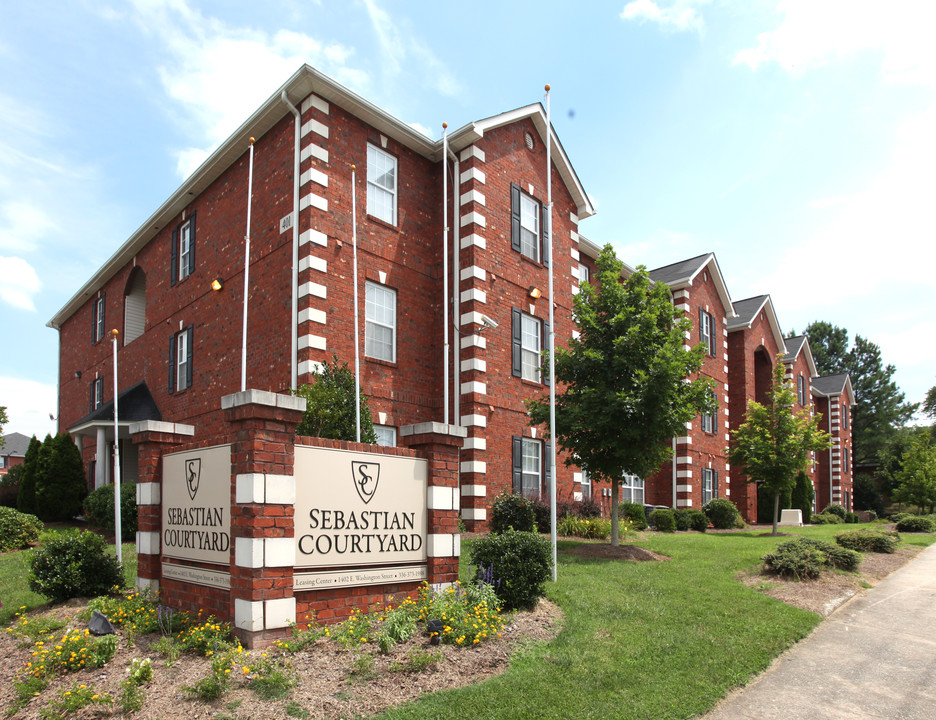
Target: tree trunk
615, 522
776, 510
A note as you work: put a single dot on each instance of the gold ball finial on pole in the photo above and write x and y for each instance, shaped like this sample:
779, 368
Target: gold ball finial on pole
353, 166
252, 141
114, 333
547, 87
444, 125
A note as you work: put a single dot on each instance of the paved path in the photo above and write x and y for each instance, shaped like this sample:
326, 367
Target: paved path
874, 658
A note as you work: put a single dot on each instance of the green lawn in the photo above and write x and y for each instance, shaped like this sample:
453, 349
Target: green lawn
14, 580
643, 640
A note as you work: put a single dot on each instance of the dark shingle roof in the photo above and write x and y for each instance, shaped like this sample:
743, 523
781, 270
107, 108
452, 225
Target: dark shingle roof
15, 445
793, 346
747, 310
135, 404
680, 270
830, 384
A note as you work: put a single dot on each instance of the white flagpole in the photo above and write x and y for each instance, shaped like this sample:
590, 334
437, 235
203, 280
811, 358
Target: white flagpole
357, 342
247, 268
552, 345
118, 530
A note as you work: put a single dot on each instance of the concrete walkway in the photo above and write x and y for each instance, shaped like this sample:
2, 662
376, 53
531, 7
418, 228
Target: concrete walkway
874, 658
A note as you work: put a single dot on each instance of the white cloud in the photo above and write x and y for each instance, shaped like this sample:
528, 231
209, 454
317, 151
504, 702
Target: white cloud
812, 34
29, 404
23, 225
19, 283
678, 16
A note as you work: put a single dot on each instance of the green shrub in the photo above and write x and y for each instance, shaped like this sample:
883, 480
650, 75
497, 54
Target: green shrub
99, 510
682, 519
852, 518
835, 509
916, 524
634, 512
698, 521
521, 563
588, 509
74, 566
10, 486
26, 499
663, 519
868, 540
17, 530
541, 515
60, 479
803, 496
512, 511
824, 518
805, 557
721, 513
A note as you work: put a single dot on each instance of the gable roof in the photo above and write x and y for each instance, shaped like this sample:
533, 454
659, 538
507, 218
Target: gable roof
135, 404
829, 385
303, 83
747, 311
14, 445
796, 345
682, 274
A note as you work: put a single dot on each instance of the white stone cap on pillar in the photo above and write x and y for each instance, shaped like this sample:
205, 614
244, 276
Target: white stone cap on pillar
435, 428
263, 397
161, 427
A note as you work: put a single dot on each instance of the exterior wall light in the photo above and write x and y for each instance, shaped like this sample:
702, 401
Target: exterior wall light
217, 284
534, 292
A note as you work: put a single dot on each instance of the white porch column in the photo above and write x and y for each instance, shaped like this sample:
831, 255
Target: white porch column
101, 460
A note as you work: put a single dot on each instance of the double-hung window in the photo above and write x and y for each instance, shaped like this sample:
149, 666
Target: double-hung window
386, 435
527, 333
529, 471
97, 393
844, 417
528, 226
586, 485
182, 251
707, 331
380, 322
97, 331
632, 489
180, 360
381, 185
801, 390
709, 484
710, 420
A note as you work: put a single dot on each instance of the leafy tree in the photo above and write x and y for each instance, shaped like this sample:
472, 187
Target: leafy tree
891, 458
3, 421
773, 443
624, 388
867, 494
880, 407
330, 406
929, 404
60, 482
917, 477
26, 500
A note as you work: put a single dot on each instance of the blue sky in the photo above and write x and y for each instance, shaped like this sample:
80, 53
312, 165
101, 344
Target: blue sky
794, 138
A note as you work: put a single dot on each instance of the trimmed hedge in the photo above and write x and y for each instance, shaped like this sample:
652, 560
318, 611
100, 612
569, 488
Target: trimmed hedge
835, 509
916, 524
99, 510
664, 520
520, 562
825, 518
805, 558
17, 530
512, 511
74, 565
721, 513
635, 513
869, 540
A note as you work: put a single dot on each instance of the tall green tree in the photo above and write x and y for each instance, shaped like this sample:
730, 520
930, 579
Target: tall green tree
929, 404
623, 391
330, 406
917, 478
26, 499
3, 421
60, 481
773, 443
880, 406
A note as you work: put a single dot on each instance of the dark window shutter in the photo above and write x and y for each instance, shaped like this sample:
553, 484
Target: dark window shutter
91, 397
715, 414
544, 233
714, 484
191, 255
517, 465
516, 348
547, 453
174, 257
172, 363
515, 217
188, 363
545, 346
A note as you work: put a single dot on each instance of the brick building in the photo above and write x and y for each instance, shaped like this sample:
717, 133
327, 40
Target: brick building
443, 339
834, 476
13, 451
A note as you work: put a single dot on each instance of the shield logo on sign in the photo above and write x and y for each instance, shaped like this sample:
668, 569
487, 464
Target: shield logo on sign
192, 473
365, 476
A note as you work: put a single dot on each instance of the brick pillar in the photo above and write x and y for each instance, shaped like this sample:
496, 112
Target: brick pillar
440, 444
263, 425
152, 439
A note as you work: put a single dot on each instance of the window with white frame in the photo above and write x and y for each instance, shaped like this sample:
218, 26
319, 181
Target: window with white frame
709, 485
185, 249
710, 420
381, 185
844, 417
586, 485
182, 260
583, 273
386, 435
530, 335
380, 322
632, 489
180, 360
529, 227
707, 331
846, 460
97, 393
532, 468
98, 333
801, 390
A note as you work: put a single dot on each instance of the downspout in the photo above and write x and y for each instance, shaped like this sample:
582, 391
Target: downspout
456, 312
445, 280
831, 445
675, 479
294, 329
